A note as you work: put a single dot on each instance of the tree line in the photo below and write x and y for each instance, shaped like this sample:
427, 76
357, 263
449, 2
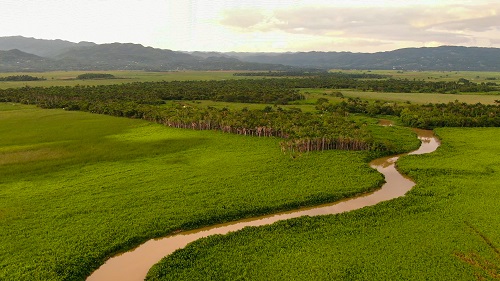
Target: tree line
301, 132
425, 116
88, 76
309, 73
272, 91
21, 78
376, 82
329, 128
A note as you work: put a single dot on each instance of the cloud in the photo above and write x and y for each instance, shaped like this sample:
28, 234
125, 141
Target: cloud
477, 24
452, 24
243, 18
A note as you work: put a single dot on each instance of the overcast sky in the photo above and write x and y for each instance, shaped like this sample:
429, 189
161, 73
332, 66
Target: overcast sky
258, 25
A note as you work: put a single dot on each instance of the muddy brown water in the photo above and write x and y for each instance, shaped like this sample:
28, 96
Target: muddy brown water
135, 264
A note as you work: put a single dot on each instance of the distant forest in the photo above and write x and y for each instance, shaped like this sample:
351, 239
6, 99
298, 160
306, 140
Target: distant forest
21, 78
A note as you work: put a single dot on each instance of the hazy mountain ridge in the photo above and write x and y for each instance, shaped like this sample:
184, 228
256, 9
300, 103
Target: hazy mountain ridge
435, 58
127, 56
29, 54
65, 55
39, 47
16, 60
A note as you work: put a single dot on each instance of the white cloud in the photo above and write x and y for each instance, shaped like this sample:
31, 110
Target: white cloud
479, 24
423, 25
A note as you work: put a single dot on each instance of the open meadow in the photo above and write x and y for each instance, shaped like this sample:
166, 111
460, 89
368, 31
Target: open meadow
76, 187
475, 76
419, 98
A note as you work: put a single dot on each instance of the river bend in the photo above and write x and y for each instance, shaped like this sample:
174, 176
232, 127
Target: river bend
135, 264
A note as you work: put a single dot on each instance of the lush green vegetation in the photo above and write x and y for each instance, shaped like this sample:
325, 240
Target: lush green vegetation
302, 131
86, 76
453, 114
247, 91
446, 228
76, 188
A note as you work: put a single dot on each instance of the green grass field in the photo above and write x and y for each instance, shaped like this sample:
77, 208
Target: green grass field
474, 76
446, 228
66, 78
421, 98
312, 95
76, 188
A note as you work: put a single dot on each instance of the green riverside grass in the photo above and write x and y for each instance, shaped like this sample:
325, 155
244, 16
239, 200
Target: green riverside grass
445, 228
77, 188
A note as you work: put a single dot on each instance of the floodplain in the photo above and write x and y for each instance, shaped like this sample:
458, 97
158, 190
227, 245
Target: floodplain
77, 188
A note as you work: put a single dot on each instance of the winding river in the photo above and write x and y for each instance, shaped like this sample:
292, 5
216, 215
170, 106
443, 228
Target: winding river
135, 264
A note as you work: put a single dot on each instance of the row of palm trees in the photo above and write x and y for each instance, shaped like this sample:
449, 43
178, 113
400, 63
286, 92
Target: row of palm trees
302, 132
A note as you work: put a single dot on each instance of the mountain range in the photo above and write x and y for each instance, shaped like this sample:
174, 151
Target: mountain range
446, 58
19, 53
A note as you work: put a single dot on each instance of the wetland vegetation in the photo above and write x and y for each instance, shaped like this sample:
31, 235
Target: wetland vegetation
76, 187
